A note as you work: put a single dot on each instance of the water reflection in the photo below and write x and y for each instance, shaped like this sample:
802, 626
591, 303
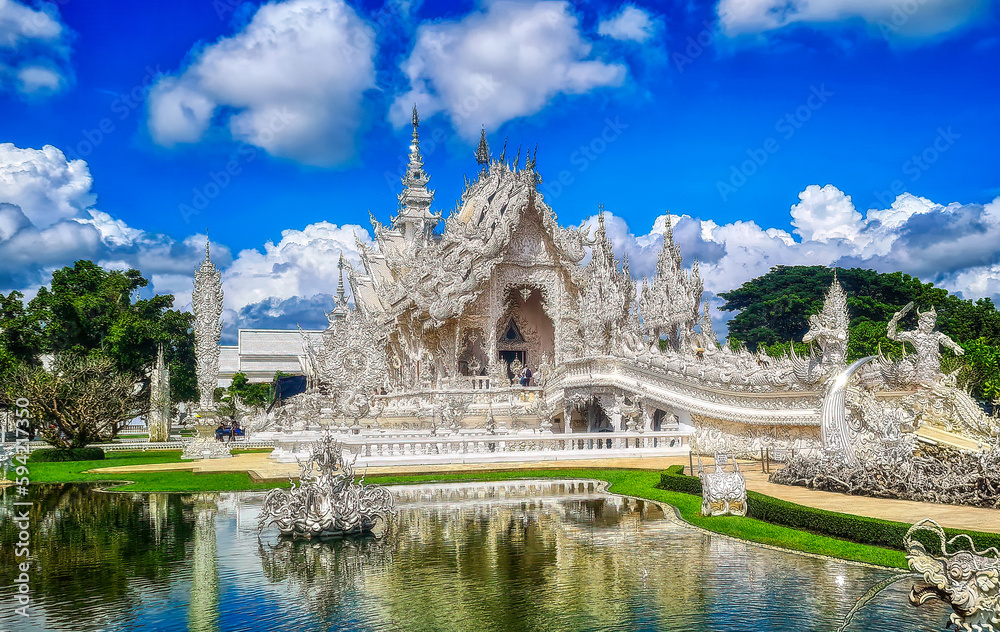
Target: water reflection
531, 555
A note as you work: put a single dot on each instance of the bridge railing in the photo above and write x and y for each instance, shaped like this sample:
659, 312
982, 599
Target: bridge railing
372, 450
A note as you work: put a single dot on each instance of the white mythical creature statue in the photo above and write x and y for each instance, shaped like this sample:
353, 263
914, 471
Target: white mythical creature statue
925, 341
829, 327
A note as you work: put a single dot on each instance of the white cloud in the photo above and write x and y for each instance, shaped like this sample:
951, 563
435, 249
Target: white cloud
302, 263
630, 24
34, 50
46, 186
504, 62
892, 19
951, 245
294, 76
825, 213
48, 220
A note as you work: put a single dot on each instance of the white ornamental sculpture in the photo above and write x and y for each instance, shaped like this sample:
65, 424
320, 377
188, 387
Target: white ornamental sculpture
206, 303
159, 400
829, 327
722, 492
207, 307
925, 341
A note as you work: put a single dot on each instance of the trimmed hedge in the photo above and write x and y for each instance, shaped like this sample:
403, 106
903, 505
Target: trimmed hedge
675, 480
860, 529
71, 454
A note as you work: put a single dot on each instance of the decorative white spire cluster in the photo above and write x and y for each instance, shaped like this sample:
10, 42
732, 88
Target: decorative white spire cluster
669, 305
608, 297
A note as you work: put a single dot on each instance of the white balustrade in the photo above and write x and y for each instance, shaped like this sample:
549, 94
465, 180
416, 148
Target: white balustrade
395, 450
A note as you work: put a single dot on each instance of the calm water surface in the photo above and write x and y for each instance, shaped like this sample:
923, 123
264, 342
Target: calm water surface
481, 557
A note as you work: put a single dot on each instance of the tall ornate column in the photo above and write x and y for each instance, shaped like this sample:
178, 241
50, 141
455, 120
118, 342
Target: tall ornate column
159, 396
206, 303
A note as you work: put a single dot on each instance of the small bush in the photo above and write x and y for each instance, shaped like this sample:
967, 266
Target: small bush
71, 454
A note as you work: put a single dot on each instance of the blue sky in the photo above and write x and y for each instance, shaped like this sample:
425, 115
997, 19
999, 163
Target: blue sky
774, 132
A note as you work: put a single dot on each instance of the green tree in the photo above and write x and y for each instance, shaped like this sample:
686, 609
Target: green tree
80, 400
88, 311
254, 395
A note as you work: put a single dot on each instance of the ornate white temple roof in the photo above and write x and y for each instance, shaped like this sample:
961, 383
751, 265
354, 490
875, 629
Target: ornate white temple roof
437, 275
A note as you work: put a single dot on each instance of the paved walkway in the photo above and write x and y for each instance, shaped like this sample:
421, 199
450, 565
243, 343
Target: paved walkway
261, 468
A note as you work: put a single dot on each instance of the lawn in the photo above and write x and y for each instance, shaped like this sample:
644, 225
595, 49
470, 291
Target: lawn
169, 481
638, 483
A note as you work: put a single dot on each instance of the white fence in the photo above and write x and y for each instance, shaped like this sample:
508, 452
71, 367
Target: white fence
143, 445
375, 451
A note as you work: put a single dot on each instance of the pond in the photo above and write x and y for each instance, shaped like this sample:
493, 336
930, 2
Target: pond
527, 555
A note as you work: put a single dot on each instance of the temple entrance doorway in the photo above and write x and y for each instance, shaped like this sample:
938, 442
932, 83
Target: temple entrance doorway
525, 332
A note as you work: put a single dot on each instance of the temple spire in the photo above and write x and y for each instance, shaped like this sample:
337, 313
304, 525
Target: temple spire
415, 217
483, 151
340, 308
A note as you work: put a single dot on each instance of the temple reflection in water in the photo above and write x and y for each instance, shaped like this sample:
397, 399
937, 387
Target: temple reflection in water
555, 555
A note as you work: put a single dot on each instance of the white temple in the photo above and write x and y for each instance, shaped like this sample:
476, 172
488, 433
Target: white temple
448, 310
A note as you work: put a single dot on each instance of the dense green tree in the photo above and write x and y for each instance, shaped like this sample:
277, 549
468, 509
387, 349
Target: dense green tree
88, 311
256, 395
776, 308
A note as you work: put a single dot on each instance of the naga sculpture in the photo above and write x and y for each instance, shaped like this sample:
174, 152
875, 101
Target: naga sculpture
967, 580
327, 503
722, 492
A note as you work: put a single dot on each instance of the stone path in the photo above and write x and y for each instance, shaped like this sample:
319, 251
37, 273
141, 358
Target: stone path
262, 468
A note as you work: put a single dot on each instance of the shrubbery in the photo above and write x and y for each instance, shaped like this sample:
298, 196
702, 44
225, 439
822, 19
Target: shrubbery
859, 529
72, 454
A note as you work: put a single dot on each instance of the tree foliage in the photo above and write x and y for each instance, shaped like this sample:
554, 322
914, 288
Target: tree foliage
253, 395
776, 308
80, 400
88, 311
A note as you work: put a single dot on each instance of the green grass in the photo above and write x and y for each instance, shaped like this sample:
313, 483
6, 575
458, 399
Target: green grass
181, 481
639, 483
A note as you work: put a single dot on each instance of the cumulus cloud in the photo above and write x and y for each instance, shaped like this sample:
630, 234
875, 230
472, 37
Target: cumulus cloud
500, 63
48, 219
302, 263
892, 19
629, 24
34, 50
951, 245
291, 82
